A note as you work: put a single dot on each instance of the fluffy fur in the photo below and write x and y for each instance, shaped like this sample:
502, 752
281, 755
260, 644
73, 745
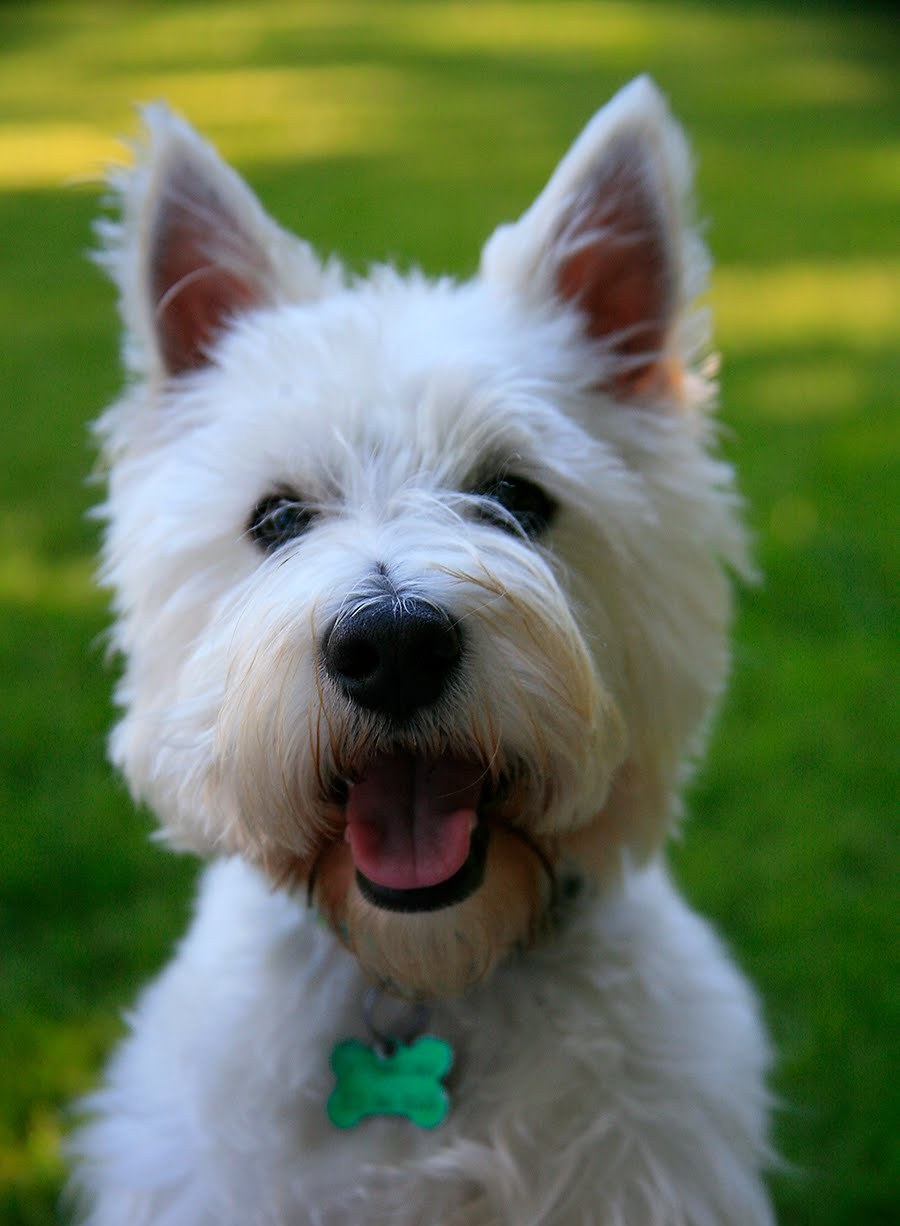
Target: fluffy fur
609, 1058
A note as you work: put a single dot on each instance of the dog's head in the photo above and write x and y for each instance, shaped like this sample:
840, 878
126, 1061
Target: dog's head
418, 584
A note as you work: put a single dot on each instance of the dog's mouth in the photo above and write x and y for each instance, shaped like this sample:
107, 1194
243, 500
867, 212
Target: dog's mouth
416, 830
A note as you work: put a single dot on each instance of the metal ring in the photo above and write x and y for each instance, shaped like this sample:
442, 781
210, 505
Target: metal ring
384, 1043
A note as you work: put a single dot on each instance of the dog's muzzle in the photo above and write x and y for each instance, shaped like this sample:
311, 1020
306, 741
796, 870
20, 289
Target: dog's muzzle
412, 823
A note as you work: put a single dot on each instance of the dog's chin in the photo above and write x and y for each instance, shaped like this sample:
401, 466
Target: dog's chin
438, 940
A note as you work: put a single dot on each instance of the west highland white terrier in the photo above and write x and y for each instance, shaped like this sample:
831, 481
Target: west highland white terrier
422, 594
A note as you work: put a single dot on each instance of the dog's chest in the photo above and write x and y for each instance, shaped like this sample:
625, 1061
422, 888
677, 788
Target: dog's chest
282, 995
540, 1057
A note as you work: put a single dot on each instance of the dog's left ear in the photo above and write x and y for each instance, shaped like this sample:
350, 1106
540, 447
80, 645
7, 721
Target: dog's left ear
610, 235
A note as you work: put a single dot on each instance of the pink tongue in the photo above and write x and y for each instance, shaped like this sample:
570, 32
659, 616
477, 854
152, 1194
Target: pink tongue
409, 822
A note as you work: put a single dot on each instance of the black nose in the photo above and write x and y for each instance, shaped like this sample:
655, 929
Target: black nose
393, 655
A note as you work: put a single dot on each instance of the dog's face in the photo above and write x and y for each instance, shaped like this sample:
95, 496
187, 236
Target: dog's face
418, 585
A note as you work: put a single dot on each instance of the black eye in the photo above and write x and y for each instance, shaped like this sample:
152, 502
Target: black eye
277, 519
519, 502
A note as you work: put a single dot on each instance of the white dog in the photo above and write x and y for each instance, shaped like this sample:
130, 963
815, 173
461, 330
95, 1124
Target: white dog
421, 593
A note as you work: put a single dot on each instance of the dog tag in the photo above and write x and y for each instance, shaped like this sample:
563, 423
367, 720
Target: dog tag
400, 1072
403, 1081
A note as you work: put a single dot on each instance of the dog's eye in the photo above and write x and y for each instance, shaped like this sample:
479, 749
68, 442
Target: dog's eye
518, 502
277, 519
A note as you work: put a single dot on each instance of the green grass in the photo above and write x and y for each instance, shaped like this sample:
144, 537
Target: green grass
409, 129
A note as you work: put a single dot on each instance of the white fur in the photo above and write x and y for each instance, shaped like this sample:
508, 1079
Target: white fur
615, 1072
611, 1076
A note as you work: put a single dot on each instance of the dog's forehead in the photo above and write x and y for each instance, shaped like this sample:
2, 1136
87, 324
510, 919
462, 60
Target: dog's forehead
397, 376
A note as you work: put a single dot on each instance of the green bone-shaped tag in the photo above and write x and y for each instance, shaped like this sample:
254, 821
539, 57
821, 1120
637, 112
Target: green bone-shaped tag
406, 1082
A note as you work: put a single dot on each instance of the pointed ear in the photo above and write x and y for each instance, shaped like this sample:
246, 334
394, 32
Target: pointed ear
610, 236
193, 249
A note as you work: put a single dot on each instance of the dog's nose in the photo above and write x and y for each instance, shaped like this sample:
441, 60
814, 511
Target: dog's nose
392, 655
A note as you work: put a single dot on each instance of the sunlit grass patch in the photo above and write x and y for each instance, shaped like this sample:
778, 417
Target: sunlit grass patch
37, 1156
32, 1163
504, 28
338, 111
313, 79
855, 302
51, 153
28, 579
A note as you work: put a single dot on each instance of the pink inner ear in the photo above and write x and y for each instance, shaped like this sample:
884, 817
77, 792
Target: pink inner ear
615, 265
199, 275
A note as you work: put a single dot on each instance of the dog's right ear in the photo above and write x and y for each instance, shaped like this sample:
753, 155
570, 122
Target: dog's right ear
192, 249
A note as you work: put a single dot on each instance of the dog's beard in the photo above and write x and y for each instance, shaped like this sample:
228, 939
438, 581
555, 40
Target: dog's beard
426, 871
431, 866
439, 953
431, 852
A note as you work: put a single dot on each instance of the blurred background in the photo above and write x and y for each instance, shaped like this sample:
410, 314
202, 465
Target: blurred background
408, 130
